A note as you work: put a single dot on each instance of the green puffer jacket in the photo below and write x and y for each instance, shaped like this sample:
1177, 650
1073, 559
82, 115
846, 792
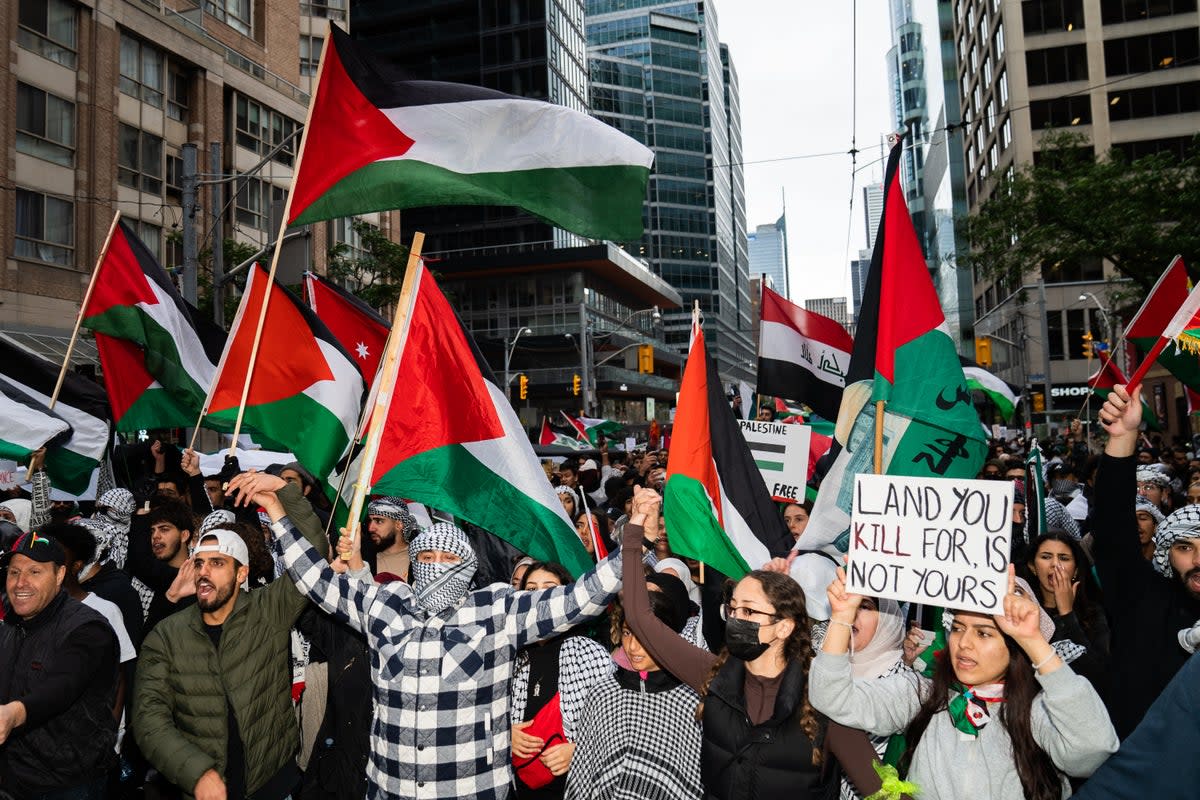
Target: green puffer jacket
179, 704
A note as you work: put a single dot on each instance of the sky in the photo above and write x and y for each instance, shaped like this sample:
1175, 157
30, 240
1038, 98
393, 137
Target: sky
793, 59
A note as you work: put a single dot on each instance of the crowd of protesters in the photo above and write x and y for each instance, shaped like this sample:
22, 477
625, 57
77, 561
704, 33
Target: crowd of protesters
209, 636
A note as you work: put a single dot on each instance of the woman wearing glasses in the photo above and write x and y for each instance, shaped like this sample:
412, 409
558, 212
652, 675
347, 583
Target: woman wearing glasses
762, 738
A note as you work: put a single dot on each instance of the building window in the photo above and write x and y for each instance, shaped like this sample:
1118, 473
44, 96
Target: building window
48, 28
310, 54
1113, 12
1177, 146
1006, 133
253, 202
259, 129
998, 41
1059, 64
1154, 101
45, 126
177, 94
151, 235
237, 14
344, 233
174, 178
140, 160
1060, 112
45, 229
1164, 50
141, 71
1054, 332
329, 9
1051, 16
1002, 88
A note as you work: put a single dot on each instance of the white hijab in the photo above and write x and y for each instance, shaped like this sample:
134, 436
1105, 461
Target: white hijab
885, 648
22, 509
681, 570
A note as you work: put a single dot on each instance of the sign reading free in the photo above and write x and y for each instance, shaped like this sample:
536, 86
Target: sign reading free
933, 541
780, 449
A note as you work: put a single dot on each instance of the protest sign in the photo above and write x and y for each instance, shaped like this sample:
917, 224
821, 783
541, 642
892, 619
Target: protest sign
934, 541
781, 452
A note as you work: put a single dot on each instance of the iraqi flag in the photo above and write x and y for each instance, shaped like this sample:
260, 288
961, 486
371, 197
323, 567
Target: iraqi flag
802, 355
905, 357
27, 425
452, 441
305, 394
376, 141
1148, 324
716, 505
158, 357
81, 403
1003, 395
358, 328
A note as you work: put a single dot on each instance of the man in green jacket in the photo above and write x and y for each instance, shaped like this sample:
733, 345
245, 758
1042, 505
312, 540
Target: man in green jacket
212, 701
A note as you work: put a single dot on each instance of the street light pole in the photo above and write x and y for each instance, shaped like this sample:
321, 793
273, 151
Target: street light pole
509, 347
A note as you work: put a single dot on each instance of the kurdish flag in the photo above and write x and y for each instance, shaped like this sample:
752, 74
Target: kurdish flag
81, 403
305, 394
358, 328
159, 359
716, 504
903, 356
1002, 395
590, 429
452, 441
27, 425
1151, 320
377, 142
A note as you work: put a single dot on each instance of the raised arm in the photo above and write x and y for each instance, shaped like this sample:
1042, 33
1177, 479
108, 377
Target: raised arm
669, 650
540, 615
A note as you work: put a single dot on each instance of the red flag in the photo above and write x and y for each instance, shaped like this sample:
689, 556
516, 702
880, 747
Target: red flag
359, 330
547, 436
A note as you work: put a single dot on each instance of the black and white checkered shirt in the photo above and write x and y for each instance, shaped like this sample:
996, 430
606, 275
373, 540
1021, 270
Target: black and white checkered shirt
441, 707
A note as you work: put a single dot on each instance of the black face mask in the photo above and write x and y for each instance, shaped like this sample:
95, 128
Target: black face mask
741, 639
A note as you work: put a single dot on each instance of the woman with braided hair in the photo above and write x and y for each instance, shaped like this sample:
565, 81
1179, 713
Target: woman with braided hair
762, 737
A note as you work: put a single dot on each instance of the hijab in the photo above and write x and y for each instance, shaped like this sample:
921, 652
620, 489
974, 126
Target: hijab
882, 653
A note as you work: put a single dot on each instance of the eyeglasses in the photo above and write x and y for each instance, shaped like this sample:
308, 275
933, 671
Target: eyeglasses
748, 614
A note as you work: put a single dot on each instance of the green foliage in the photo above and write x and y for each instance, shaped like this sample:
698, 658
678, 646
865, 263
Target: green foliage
377, 274
1072, 207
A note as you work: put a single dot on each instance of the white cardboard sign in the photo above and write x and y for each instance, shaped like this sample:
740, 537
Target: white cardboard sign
781, 452
934, 541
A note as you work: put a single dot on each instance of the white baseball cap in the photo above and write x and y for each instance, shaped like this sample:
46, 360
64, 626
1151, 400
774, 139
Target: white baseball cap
228, 543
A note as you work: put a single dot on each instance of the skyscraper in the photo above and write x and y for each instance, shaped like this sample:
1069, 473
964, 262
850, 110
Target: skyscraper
768, 254
665, 60
872, 211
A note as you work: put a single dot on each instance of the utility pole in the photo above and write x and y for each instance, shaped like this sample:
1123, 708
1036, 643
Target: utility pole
191, 263
218, 246
585, 352
1045, 351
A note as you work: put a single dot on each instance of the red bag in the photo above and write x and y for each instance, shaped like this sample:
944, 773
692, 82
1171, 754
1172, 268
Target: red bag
547, 725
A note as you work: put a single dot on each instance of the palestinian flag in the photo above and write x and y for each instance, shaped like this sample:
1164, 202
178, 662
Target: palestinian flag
590, 429
802, 355
27, 425
903, 356
1109, 375
358, 328
305, 393
549, 437
452, 441
82, 404
159, 377
717, 507
1004, 396
1148, 324
378, 142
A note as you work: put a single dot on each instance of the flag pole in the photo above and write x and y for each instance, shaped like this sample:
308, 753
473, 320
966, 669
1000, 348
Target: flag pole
1147, 362
386, 380
87, 298
283, 226
879, 437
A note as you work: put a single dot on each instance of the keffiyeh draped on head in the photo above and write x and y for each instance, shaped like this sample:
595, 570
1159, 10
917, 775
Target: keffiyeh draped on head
440, 586
395, 508
1148, 473
1142, 504
883, 651
118, 506
1182, 524
221, 518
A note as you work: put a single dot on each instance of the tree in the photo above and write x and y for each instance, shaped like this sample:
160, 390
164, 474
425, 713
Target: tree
375, 276
1071, 206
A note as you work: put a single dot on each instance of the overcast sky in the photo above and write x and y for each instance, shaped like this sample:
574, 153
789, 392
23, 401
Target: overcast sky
793, 59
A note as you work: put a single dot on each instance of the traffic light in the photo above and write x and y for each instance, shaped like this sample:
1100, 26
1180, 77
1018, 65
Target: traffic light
1039, 402
983, 351
575, 382
1087, 345
646, 358
523, 383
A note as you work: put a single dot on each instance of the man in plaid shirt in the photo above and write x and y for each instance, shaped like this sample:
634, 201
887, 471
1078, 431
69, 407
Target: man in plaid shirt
441, 655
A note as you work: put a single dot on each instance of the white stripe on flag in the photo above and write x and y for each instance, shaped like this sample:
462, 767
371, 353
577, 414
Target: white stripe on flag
781, 342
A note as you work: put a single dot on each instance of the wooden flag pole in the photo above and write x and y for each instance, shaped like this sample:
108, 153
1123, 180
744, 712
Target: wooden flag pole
87, 298
386, 380
879, 437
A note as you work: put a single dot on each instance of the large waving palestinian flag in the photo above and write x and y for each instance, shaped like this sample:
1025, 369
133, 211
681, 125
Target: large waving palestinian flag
377, 142
158, 358
903, 356
81, 403
305, 394
802, 355
452, 441
716, 505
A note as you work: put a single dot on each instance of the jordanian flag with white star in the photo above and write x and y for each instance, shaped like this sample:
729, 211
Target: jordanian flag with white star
360, 331
376, 141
